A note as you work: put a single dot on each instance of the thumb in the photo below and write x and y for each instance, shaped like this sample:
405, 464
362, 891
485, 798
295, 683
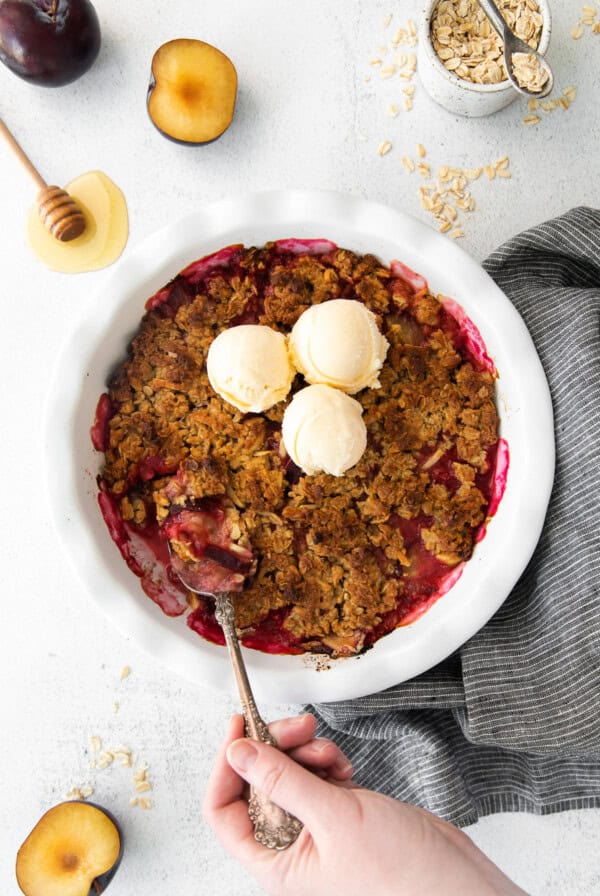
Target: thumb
286, 783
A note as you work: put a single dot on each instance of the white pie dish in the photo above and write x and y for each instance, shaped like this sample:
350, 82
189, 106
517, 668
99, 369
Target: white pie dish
99, 342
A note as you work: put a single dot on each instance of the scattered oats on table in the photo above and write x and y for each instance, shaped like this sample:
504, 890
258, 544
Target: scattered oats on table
406, 35
402, 64
123, 756
141, 773
449, 195
563, 102
80, 793
105, 758
588, 20
142, 786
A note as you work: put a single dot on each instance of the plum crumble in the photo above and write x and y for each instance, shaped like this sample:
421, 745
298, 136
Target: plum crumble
321, 563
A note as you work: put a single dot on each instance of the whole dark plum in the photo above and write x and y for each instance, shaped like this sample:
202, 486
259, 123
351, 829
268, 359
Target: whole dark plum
48, 42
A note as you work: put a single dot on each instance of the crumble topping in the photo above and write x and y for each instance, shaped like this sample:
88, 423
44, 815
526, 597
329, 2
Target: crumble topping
339, 560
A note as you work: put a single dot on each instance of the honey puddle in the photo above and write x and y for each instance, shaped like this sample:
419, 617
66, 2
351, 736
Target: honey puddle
105, 234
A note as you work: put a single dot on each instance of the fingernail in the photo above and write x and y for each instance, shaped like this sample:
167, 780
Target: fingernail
242, 754
300, 720
342, 766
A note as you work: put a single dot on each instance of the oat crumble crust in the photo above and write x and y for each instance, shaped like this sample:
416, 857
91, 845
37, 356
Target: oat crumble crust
330, 550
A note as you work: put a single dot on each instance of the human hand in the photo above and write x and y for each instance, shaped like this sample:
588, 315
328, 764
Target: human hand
354, 841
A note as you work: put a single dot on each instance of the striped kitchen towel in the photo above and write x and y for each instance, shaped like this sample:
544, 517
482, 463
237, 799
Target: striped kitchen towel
512, 720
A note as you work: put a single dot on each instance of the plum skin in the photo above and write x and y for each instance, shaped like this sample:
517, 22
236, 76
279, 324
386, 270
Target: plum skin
48, 42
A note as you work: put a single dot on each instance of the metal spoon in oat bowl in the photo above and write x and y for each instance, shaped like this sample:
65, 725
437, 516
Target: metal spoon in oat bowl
527, 70
222, 570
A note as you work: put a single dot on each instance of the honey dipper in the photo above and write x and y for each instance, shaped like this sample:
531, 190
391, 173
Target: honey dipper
60, 214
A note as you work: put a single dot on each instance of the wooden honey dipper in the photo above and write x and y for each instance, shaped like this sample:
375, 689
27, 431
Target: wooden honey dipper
60, 214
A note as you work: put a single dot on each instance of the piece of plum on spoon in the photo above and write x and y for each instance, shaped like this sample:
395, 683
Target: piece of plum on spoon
209, 560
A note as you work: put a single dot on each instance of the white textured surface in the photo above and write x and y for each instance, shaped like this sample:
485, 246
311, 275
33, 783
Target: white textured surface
305, 118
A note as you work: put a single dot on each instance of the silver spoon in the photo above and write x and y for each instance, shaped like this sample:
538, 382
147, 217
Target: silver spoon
512, 45
273, 826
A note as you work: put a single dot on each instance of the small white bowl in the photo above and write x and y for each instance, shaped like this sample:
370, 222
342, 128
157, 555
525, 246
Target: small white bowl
456, 94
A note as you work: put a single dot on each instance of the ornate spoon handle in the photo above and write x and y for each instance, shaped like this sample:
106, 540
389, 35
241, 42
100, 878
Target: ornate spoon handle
273, 826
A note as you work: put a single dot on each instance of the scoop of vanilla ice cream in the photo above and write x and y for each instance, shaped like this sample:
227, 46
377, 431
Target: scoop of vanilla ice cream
338, 343
249, 367
323, 430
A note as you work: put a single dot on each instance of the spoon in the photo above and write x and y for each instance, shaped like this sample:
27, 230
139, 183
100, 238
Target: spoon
60, 214
512, 45
273, 826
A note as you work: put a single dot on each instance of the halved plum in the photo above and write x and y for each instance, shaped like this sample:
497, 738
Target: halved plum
192, 92
74, 850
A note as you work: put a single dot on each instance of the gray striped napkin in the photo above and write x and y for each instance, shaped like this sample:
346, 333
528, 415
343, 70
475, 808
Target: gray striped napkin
512, 721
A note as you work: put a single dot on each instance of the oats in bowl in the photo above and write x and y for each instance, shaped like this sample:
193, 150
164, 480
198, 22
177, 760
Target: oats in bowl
461, 62
467, 44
